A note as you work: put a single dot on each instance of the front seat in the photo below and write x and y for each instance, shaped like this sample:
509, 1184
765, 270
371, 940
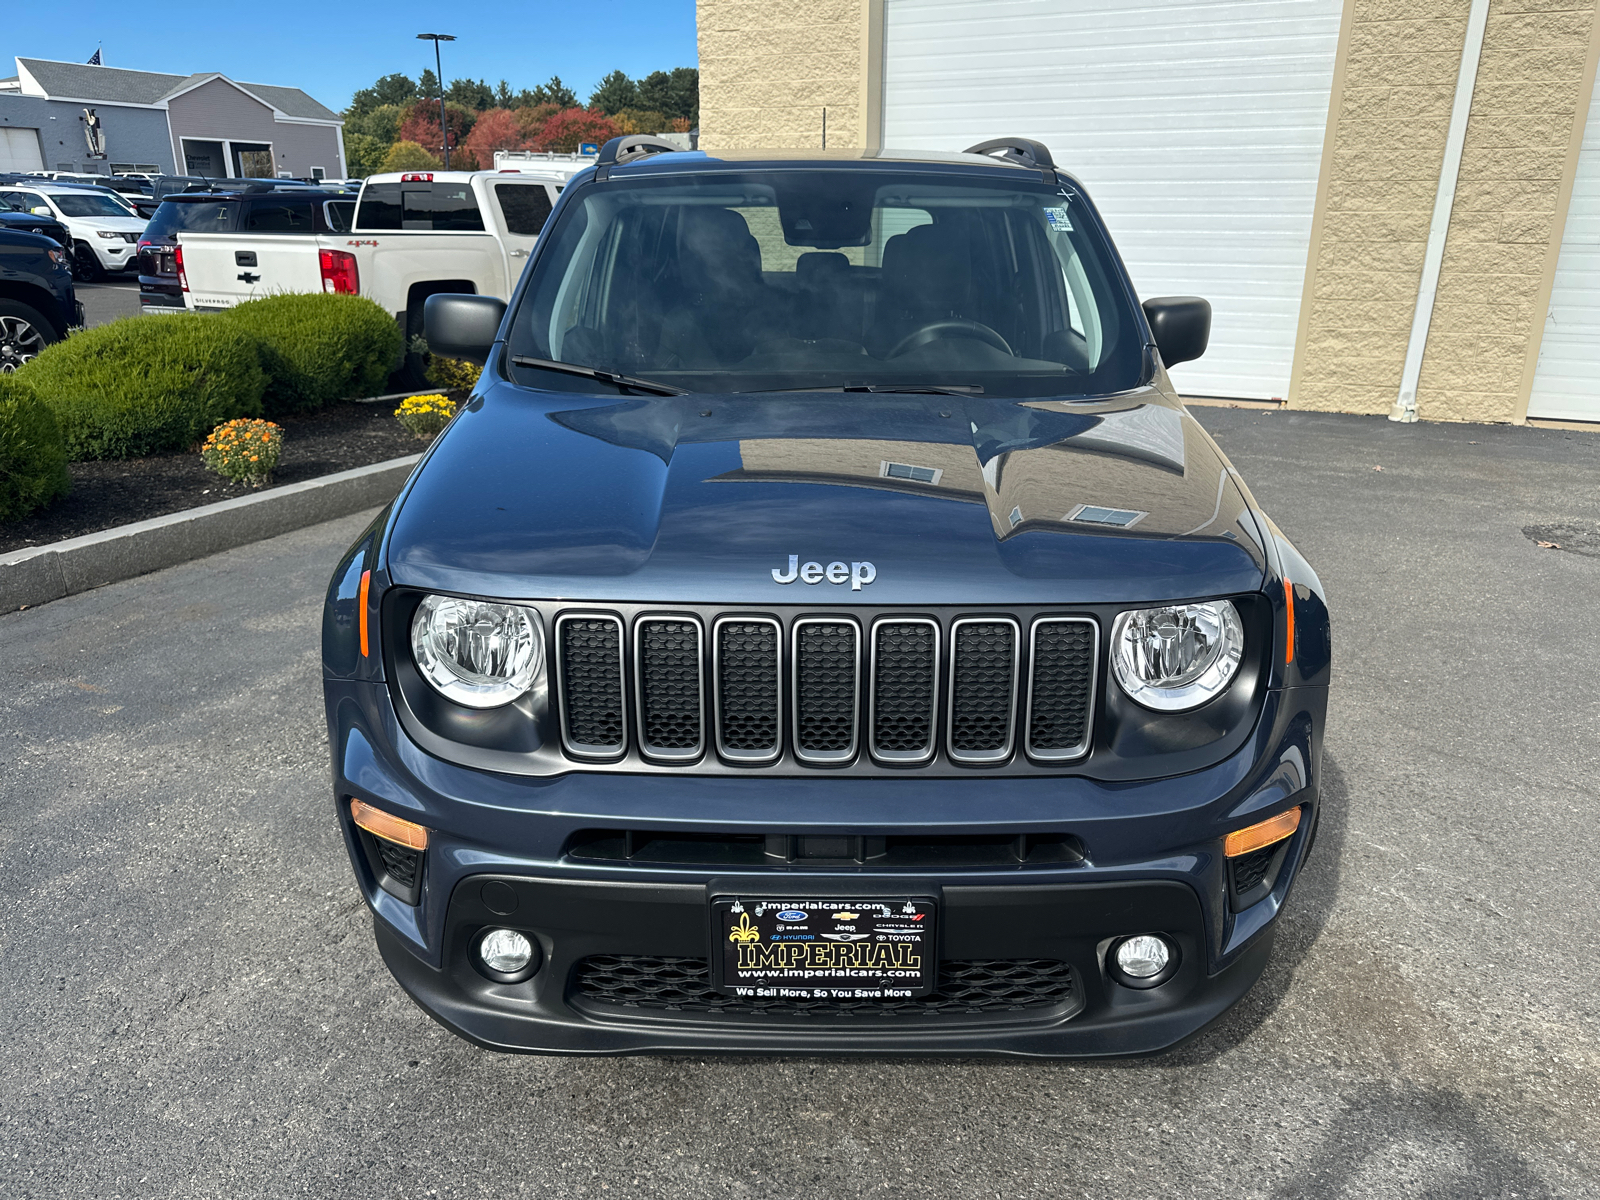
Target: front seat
722, 306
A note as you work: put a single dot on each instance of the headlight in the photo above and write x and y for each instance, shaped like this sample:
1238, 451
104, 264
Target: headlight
476, 653
105, 233
1176, 657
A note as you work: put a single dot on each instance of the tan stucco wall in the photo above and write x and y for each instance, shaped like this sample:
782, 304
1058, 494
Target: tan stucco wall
768, 70
1532, 91
1398, 80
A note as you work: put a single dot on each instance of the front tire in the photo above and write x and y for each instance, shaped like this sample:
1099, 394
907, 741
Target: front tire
85, 266
23, 333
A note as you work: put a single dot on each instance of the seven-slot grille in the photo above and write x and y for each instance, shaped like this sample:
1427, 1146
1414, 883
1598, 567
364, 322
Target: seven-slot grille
814, 685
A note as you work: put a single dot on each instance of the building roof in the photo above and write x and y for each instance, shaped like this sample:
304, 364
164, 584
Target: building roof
114, 85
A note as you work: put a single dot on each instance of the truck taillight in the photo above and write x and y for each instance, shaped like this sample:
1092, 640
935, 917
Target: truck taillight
417, 178
177, 257
339, 273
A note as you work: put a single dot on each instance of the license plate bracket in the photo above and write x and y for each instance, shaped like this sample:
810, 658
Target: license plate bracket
824, 949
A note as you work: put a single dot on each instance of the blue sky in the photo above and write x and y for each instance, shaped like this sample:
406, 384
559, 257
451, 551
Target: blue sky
356, 41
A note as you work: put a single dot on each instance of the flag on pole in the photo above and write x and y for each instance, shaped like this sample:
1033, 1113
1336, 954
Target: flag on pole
94, 59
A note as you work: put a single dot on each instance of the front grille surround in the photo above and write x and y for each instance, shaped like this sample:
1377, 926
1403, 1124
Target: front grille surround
771, 699
654, 705
569, 682
877, 676
982, 755
1078, 750
809, 741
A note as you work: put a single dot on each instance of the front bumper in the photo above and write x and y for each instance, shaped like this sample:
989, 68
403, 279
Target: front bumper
1153, 865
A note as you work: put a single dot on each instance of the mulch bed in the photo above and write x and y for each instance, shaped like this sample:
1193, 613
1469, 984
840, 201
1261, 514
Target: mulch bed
106, 494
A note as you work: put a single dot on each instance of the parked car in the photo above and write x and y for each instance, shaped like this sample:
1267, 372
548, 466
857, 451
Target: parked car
37, 302
258, 212
825, 630
34, 223
103, 227
417, 234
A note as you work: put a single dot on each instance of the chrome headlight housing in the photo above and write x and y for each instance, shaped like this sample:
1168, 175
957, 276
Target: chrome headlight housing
1178, 656
476, 652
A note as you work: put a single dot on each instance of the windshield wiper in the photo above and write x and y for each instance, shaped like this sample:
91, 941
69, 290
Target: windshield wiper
626, 382
923, 389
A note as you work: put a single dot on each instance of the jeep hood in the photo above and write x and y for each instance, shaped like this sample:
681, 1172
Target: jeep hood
700, 499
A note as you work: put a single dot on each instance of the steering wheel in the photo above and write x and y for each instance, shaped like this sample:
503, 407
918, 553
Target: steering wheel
959, 327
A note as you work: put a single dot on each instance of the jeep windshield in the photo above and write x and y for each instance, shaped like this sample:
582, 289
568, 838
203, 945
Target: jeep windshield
863, 280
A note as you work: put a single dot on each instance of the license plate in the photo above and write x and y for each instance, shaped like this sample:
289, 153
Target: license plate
824, 949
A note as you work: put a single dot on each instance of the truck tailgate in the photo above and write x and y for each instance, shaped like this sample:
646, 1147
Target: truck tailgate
224, 269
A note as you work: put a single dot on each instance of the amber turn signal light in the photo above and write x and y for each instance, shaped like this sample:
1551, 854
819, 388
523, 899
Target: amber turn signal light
1288, 635
361, 600
1264, 833
391, 828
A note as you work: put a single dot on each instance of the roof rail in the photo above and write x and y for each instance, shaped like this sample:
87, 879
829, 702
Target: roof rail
1022, 151
622, 150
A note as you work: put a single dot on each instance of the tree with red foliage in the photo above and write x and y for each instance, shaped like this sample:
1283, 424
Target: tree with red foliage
421, 125
571, 127
497, 129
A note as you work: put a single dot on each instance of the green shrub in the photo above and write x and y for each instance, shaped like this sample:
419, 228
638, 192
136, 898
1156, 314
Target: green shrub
145, 385
33, 457
452, 374
320, 347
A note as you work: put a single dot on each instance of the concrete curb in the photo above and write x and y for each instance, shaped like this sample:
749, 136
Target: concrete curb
39, 574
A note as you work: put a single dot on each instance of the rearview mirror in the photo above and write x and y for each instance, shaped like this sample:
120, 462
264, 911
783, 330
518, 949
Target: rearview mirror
459, 325
1181, 326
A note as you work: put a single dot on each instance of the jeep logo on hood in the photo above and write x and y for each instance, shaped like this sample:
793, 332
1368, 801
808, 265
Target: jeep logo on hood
857, 574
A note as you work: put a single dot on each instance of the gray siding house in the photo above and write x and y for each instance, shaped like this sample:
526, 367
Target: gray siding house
205, 124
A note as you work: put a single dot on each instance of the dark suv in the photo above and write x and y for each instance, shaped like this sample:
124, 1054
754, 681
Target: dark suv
37, 302
825, 630
265, 208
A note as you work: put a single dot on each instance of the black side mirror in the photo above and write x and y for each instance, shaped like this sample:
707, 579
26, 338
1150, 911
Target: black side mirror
459, 325
1181, 326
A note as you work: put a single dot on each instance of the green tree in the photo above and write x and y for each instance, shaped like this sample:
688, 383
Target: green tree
408, 156
427, 86
639, 120
363, 155
391, 89
382, 124
555, 92
676, 93
615, 93
476, 95
503, 96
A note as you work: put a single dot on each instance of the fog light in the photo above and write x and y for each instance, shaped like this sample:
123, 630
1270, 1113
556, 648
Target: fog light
505, 951
1143, 961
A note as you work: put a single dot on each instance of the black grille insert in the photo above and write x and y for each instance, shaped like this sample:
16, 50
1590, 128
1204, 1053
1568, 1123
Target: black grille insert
400, 862
1061, 695
966, 986
670, 706
905, 689
826, 682
748, 689
982, 689
591, 685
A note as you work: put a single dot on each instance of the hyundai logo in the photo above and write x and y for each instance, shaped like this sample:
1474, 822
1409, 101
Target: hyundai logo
856, 574
791, 914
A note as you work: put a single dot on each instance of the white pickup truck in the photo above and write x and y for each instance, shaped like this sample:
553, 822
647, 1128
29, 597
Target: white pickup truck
414, 234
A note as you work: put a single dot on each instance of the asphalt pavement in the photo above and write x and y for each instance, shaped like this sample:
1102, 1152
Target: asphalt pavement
191, 1004
108, 299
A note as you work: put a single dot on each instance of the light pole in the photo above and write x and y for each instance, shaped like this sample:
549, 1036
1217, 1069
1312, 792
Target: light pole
444, 124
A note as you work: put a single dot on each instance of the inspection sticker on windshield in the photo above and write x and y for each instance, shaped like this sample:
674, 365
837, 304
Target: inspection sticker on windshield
1059, 221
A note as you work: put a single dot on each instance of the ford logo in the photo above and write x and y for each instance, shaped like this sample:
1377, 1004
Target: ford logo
791, 914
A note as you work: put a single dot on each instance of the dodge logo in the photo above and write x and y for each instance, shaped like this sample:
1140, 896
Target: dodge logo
857, 574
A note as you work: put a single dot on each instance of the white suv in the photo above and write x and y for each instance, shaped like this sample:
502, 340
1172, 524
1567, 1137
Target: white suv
105, 228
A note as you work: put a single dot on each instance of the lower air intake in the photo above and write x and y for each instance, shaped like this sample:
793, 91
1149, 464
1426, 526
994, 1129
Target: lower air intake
965, 986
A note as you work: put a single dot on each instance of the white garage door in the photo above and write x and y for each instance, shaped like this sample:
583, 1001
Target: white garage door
19, 150
1566, 384
1196, 126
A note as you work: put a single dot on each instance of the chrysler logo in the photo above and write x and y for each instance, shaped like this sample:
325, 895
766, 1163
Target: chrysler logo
856, 574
